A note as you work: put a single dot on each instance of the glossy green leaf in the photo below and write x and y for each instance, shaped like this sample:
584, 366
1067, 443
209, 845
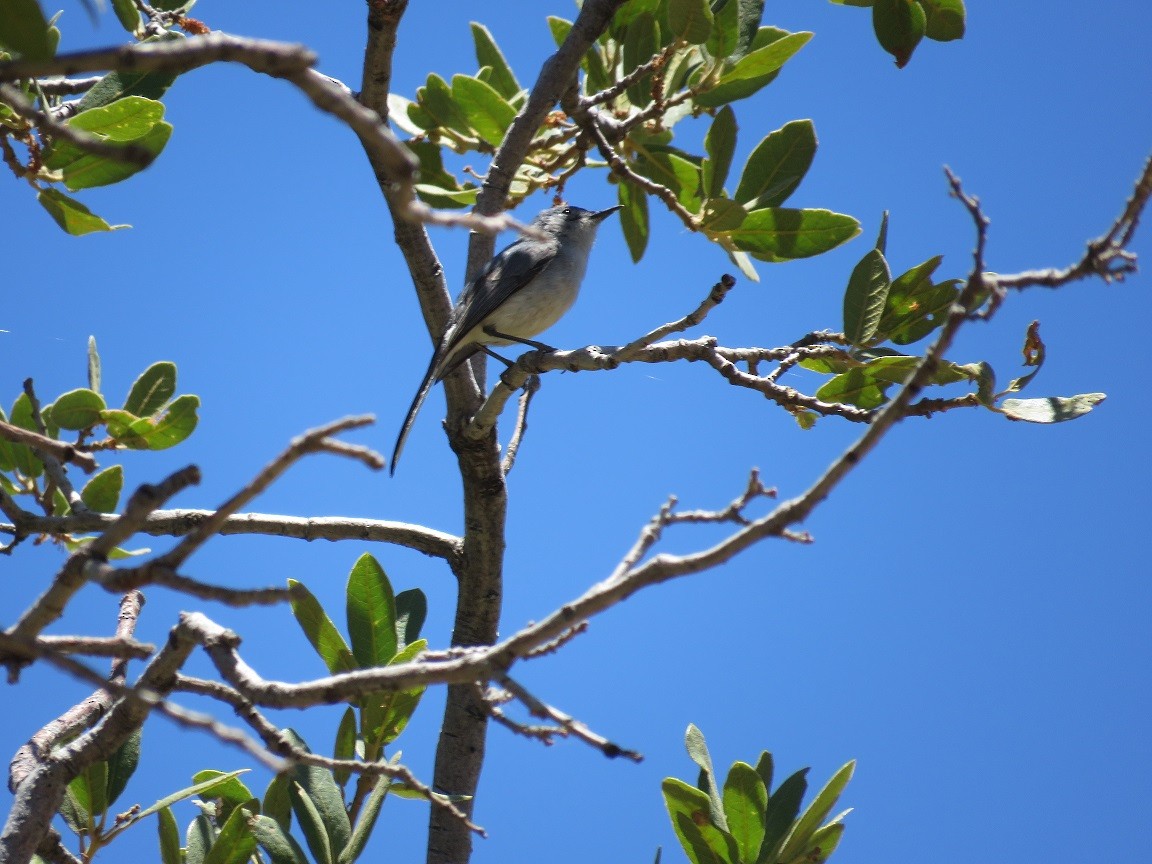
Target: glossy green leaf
84, 170
698, 753
945, 19
118, 85
765, 769
899, 26
882, 234
865, 297
641, 42
75, 818
275, 840
447, 199
1053, 409
671, 168
126, 14
783, 805
719, 144
362, 831
171, 426
93, 365
386, 714
77, 409
411, 612
690, 20
315, 795
169, 836
721, 214
745, 804
689, 810
149, 392
782, 234
80, 814
122, 764
488, 53
319, 630
800, 838
71, 215
371, 608
777, 165
633, 218
725, 35
488, 113
24, 30
235, 843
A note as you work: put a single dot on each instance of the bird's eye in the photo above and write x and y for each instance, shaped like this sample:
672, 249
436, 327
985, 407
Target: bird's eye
567, 211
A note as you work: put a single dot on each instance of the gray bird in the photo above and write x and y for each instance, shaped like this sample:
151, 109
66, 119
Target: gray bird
523, 291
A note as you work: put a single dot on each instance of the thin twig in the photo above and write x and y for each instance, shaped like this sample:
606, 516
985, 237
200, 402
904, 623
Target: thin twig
530, 387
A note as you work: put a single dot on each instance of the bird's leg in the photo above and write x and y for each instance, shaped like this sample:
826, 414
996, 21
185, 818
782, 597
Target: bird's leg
539, 346
496, 356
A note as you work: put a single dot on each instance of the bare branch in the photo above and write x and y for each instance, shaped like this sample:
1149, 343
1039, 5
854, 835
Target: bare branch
530, 388
43, 444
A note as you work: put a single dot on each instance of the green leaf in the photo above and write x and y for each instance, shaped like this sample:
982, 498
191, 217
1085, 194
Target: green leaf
915, 306
312, 824
698, 753
721, 214
448, 199
126, 14
149, 393
745, 804
169, 835
24, 460
764, 769
172, 426
367, 821
345, 746
641, 42
1053, 409
782, 234
102, 492
633, 218
488, 113
24, 30
725, 33
800, 838
411, 612
945, 19
77, 409
277, 802
865, 297
783, 805
84, 170
822, 845
122, 764
199, 840
274, 839
235, 843
315, 795
93, 365
169, 800
768, 59
371, 608
71, 215
899, 26
117, 85
719, 144
387, 713
231, 791
690, 20
319, 630
671, 168
435, 97
777, 165
689, 810
882, 234
751, 14
488, 53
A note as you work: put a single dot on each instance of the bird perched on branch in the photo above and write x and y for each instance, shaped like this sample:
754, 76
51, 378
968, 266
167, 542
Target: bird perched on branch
521, 292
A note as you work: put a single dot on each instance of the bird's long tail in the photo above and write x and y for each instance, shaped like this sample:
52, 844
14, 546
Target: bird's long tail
421, 395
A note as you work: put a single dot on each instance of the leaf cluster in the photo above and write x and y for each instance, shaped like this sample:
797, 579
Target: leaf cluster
745, 821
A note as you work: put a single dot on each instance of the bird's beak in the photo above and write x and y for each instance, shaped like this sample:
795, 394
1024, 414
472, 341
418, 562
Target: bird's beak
604, 214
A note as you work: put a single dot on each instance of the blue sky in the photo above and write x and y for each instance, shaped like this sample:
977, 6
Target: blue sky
971, 622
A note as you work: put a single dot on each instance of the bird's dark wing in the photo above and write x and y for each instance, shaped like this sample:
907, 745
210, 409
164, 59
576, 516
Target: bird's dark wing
503, 276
